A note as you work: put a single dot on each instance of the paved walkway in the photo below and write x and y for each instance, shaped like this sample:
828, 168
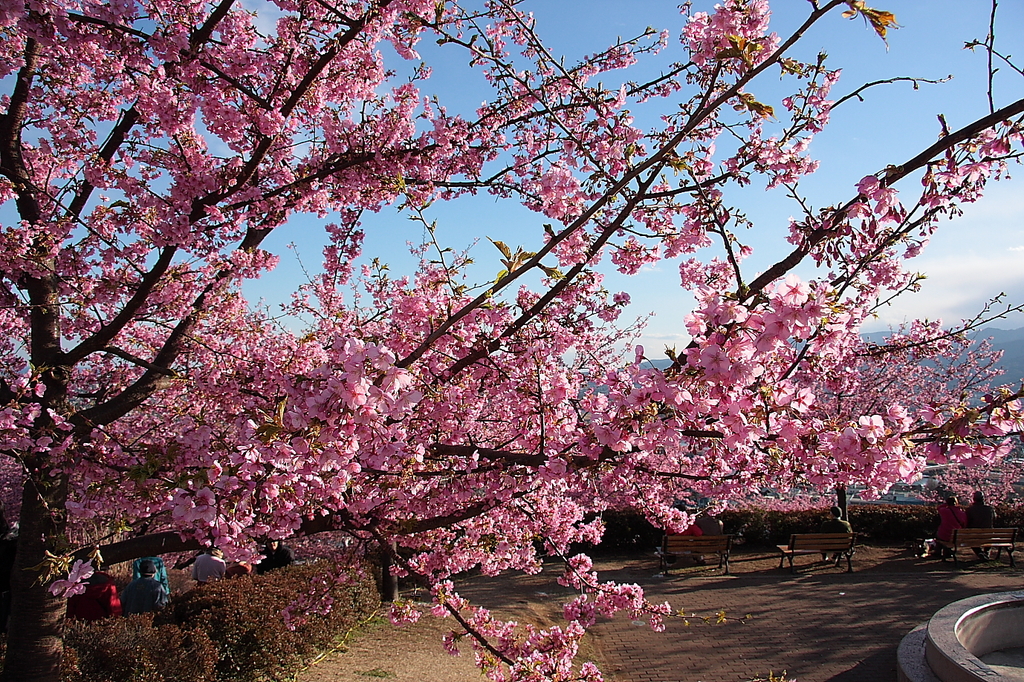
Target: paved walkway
820, 625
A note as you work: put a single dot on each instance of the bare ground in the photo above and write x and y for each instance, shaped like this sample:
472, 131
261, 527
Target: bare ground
414, 653
379, 651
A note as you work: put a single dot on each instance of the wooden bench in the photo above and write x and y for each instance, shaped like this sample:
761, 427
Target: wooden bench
819, 543
985, 538
674, 546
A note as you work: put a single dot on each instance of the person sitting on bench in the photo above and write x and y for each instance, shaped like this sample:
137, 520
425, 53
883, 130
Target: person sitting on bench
951, 517
979, 515
835, 524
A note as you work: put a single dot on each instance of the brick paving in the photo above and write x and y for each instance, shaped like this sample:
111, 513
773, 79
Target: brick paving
821, 625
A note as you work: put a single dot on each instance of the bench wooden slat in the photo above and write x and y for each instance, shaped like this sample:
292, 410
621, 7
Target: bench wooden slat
815, 543
817, 546
689, 543
673, 546
982, 538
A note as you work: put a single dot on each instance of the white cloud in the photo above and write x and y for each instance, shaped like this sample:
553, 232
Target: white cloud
957, 288
655, 344
969, 261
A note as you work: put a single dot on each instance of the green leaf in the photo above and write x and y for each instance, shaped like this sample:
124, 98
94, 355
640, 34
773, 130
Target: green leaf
880, 20
267, 432
750, 103
553, 273
791, 66
677, 163
505, 251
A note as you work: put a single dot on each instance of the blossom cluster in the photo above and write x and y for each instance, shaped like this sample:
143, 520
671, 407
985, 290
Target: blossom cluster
454, 421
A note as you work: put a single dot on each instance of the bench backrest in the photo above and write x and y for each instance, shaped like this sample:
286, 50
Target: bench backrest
676, 544
827, 542
974, 537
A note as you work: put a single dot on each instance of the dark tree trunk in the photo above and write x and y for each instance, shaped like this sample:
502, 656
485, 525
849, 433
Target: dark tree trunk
841, 501
35, 646
388, 582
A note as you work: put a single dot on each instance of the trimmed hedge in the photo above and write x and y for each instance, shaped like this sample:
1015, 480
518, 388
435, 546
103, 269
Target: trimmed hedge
132, 650
878, 523
881, 523
243, 618
226, 631
626, 531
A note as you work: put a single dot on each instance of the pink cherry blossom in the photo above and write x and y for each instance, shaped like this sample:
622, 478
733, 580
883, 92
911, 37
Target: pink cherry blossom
75, 582
453, 418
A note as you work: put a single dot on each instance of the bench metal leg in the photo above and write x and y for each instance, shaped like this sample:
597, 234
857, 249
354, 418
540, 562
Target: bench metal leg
849, 562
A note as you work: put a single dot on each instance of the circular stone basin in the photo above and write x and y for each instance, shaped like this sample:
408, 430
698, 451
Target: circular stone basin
976, 639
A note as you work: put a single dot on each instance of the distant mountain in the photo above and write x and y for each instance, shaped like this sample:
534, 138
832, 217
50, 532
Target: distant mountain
1010, 341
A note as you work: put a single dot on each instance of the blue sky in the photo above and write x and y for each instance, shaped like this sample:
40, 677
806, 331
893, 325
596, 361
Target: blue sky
968, 261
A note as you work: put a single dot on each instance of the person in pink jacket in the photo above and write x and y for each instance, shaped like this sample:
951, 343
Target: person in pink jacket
951, 517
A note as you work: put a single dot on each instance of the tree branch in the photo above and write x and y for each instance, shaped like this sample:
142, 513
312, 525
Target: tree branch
887, 81
894, 175
135, 360
248, 171
655, 160
107, 332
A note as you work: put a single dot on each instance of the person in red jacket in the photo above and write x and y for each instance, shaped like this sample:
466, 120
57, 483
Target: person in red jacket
98, 601
237, 569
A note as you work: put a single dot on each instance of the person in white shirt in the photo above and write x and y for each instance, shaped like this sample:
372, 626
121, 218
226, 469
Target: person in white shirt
209, 566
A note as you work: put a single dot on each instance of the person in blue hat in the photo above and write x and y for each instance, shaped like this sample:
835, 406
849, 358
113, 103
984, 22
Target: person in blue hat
145, 593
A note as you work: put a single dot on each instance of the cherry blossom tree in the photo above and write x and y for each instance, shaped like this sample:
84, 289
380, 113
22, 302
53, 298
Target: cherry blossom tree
149, 148
921, 365
998, 481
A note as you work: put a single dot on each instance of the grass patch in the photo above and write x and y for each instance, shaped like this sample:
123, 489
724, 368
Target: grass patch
377, 672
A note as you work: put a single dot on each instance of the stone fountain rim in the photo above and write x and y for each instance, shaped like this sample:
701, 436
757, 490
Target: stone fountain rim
944, 627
